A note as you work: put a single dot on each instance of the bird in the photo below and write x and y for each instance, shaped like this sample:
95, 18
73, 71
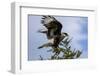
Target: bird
53, 31
54, 42
52, 25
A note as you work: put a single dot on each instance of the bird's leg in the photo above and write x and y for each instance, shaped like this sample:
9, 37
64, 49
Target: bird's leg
45, 45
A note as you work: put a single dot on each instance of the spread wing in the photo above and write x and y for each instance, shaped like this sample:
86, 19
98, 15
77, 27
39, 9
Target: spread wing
53, 25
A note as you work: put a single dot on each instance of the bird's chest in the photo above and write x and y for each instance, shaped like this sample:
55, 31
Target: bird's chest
51, 40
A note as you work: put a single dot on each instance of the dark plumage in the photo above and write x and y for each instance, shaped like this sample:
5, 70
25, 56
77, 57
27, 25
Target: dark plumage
53, 26
53, 31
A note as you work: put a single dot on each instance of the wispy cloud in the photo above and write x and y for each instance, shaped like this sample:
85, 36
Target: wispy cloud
74, 26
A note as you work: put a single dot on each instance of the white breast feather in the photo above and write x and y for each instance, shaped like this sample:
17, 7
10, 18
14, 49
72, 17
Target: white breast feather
51, 40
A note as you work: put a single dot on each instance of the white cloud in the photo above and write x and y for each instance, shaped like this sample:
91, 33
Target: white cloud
73, 25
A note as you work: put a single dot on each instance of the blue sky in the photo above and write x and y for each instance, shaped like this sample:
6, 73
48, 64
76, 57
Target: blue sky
75, 26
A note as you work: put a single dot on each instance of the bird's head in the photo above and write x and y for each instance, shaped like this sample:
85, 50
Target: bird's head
64, 34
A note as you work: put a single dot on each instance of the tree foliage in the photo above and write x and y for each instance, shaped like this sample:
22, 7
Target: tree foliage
64, 51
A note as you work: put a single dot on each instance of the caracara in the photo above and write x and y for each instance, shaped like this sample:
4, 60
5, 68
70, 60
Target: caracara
53, 32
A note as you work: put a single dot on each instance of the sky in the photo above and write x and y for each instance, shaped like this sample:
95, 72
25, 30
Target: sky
75, 26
